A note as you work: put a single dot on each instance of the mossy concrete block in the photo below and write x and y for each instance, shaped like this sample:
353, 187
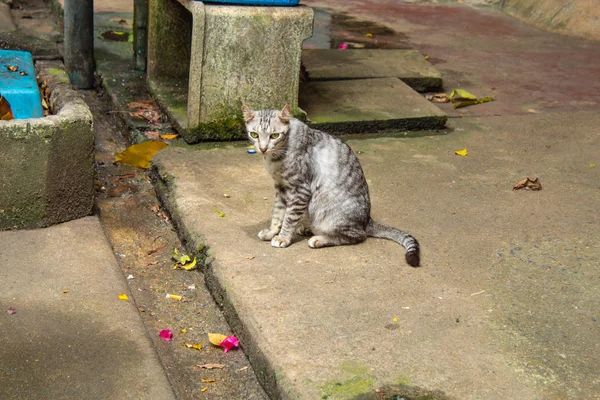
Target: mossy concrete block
231, 55
408, 65
47, 163
367, 106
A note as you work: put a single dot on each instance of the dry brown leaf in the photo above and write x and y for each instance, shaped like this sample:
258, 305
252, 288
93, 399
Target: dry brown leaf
438, 98
210, 366
208, 380
528, 184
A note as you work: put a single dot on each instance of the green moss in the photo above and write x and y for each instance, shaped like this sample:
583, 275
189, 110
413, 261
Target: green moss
403, 380
359, 381
25, 216
228, 128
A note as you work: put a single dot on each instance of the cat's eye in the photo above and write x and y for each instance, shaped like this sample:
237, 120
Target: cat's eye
253, 135
275, 135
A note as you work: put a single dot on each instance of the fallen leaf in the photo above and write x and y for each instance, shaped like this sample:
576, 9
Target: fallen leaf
395, 319
204, 389
11, 310
197, 346
462, 152
249, 257
426, 57
460, 94
166, 335
180, 258
216, 338
12, 68
5, 110
189, 266
174, 296
208, 380
65, 291
210, 366
473, 102
219, 213
159, 248
528, 184
139, 155
153, 135
368, 35
169, 136
123, 296
438, 98
246, 367
592, 165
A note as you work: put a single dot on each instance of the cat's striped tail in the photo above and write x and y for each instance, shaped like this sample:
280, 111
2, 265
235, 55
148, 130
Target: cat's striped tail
411, 245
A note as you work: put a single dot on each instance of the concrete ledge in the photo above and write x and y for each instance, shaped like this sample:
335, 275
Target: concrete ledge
574, 17
367, 106
408, 65
47, 163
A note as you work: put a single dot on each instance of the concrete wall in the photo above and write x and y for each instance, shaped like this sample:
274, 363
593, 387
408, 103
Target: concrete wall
570, 17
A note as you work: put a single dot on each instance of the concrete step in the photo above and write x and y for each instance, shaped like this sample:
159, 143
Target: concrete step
368, 105
408, 65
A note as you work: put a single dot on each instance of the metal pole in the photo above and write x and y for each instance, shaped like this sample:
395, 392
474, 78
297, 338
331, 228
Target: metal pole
140, 33
79, 42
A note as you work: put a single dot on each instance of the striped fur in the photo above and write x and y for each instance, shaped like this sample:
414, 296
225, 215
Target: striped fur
320, 188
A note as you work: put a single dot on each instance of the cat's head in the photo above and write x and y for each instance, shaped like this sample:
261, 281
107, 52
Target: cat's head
268, 129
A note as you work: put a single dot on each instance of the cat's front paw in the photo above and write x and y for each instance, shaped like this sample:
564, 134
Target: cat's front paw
279, 241
266, 234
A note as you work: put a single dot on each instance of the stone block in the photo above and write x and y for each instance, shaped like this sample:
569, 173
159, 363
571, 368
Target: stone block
408, 65
205, 60
47, 163
367, 106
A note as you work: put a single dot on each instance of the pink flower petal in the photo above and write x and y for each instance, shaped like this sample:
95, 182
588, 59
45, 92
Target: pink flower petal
230, 342
11, 310
166, 334
343, 46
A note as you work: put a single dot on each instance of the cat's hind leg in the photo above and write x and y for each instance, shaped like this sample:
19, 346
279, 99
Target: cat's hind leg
337, 239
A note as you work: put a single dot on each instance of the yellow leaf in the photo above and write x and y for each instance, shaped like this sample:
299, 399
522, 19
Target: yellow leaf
426, 57
190, 266
174, 296
460, 94
139, 155
123, 296
216, 338
395, 319
183, 330
592, 165
219, 213
204, 389
66, 291
197, 346
462, 152
169, 136
369, 35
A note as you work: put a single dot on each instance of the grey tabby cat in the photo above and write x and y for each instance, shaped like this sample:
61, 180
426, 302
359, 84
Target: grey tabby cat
320, 186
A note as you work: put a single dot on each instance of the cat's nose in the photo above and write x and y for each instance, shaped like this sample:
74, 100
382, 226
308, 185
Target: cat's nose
262, 149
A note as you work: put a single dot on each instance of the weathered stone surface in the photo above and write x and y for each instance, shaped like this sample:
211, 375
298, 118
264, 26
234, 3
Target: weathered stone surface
230, 55
6, 22
408, 65
574, 17
368, 105
47, 163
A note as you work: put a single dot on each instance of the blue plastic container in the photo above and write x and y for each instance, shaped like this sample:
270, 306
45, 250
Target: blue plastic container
256, 2
18, 84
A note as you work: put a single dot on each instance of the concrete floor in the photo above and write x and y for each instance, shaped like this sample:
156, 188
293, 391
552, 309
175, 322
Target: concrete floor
506, 303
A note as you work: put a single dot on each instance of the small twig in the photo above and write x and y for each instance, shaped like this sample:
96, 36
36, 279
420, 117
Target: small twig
475, 294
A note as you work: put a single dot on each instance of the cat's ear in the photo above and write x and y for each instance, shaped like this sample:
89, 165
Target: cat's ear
285, 114
248, 114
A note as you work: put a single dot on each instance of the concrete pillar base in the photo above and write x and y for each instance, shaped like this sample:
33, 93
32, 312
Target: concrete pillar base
206, 60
